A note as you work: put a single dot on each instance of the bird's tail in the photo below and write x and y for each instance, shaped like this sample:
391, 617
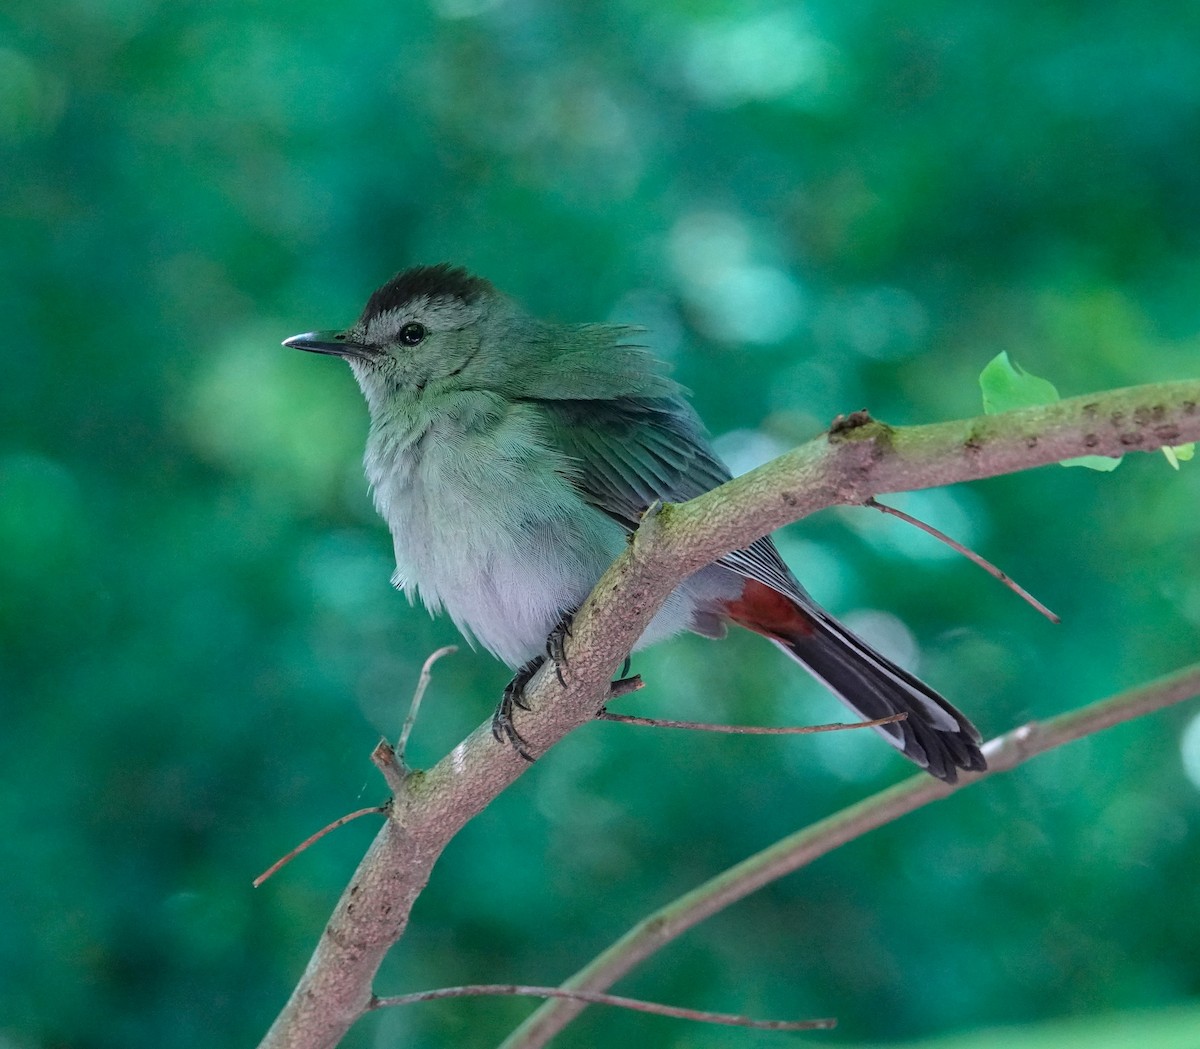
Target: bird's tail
934, 735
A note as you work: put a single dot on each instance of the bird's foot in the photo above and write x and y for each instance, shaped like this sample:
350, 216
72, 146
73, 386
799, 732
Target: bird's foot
556, 645
514, 692
514, 696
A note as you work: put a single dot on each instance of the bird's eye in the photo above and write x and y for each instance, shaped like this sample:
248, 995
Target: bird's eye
412, 333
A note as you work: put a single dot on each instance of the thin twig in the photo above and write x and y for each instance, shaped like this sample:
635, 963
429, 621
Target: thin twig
388, 759
748, 730
341, 821
478, 990
418, 695
982, 562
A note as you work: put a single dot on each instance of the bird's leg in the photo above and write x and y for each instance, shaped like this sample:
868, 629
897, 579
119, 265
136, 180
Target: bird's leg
514, 692
514, 696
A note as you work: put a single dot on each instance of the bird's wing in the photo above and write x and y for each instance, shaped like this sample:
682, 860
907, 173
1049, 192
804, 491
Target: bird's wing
629, 453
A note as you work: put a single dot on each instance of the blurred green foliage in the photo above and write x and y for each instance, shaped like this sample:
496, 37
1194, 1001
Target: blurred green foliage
813, 208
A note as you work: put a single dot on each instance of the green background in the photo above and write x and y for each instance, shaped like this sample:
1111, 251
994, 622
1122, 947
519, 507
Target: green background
814, 208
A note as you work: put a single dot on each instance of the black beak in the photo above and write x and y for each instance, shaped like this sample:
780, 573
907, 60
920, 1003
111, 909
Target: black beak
335, 343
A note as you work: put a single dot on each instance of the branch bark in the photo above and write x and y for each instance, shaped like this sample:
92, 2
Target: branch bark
859, 458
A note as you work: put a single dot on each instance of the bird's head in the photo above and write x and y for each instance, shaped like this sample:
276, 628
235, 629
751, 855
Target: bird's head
438, 330
423, 326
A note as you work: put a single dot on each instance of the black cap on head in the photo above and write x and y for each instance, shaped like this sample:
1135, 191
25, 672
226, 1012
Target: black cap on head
430, 282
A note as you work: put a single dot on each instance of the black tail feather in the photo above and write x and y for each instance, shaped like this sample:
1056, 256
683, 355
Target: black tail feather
935, 735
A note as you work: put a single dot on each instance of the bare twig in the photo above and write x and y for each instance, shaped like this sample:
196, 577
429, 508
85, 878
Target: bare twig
747, 730
418, 694
478, 990
384, 758
312, 839
799, 849
389, 760
968, 553
625, 685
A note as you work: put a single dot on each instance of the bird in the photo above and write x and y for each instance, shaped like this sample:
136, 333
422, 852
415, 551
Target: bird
512, 457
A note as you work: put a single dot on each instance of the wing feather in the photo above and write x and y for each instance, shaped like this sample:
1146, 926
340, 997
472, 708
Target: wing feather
626, 454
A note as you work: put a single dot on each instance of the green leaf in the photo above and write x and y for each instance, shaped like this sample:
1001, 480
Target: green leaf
1181, 453
1093, 462
1007, 386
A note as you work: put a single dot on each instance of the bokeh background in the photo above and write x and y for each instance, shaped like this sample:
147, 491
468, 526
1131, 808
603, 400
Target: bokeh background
813, 208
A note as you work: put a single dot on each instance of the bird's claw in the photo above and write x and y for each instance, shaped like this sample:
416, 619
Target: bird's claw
503, 728
556, 645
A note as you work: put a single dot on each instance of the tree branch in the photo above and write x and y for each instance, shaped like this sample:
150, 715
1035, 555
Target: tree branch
859, 458
800, 849
481, 990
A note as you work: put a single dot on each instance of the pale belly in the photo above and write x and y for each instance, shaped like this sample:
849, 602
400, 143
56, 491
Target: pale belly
503, 543
508, 585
